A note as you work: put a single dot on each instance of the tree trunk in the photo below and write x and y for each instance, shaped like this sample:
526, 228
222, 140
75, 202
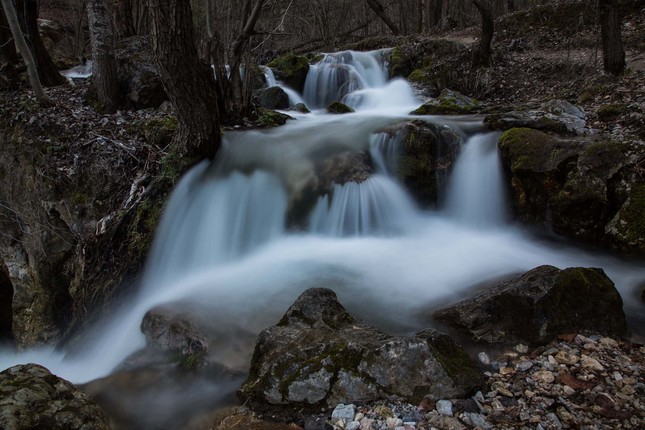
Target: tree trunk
28, 18
21, 45
482, 53
131, 18
613, 53
188, 82
444, 14
104, 71
511, 5
8, 54
380, 11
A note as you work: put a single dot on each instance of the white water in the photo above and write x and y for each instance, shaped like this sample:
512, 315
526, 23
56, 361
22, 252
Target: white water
222, 244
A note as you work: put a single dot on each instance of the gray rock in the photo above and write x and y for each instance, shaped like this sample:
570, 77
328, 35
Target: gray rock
167, 332
444, 407
138, 74
540, 304
32, 398
319, 354
477, 420
273, 98
343, 412
558, 116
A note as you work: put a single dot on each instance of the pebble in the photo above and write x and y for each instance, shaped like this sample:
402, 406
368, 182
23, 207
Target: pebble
343, 412
522, 349
444, 407
483, 358
568, 386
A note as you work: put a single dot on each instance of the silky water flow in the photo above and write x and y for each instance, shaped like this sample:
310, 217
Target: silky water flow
224, 248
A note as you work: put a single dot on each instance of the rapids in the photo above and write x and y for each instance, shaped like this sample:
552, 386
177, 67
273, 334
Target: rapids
223, 244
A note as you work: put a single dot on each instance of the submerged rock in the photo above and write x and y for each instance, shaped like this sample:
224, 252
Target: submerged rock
318, 354
32, 398
339, 108
167, 332
539, 305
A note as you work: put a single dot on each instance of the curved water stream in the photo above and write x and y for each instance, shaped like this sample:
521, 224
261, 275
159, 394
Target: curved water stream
223, 245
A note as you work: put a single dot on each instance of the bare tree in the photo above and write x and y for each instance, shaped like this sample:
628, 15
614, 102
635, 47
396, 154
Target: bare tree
380, 11
27, 12
104, 71
482, 53
613, 53
8, 54
21, 45
188, 82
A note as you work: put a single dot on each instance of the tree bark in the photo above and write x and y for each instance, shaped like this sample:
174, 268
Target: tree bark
28, 17
21, 45
380, 11
188, 82
104, 70
8, 54
444, 14
482, 53
613, 52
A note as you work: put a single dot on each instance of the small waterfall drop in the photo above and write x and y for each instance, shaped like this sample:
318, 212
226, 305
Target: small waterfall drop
385, 150
475, 192
271, 81
377, 206
342, 73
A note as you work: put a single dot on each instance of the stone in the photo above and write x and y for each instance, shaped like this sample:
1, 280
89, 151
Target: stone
524, 366
339, 108
591, 363
318, 353
444, 407
32, 398
273, 98
343, 412
558, 116
543, 376
483, 358
166, 331
478, 420
292, 70
449, 102
538, 305
138, 74
565, 358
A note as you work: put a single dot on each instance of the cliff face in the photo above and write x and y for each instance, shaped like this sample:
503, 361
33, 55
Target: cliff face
79, 197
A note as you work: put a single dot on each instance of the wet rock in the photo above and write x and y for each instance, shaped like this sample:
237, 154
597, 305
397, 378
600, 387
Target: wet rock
318, 337
538, 305
429, 153
138, 74
449, 102
167, 332
292, 70
585, 190
267, 118
300, 107
32, 398
339, 108
557, 116
444, 407
273, 98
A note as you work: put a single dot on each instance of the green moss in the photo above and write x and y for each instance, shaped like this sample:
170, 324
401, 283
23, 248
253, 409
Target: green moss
339, 108
192, 362
611, 112
632, 216
444, 107
527, 148
399, 63
315, 58
268, 118
290, 63
420, 76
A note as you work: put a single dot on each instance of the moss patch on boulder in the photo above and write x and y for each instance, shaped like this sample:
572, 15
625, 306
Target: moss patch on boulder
339, 108
292, 69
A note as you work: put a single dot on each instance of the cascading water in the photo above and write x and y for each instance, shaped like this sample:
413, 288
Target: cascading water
271, 81
223, 245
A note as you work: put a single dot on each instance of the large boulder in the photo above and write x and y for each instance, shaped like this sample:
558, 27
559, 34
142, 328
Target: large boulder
32, 398
588, 190
539, 305
429, 154
138, 74
318, 354
292, 70
166, 331
273, 98
558, 116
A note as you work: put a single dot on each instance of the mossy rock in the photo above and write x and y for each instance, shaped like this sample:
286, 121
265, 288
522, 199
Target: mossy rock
627, 229
611, 112
160, 131
529, 149
399, 63
268, 118
291, 69
339, 108
420, 76
449, 103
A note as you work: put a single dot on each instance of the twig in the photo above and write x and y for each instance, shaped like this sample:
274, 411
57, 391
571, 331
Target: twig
127, 149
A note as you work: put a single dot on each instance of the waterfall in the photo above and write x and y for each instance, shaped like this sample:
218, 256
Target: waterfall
475, 194
342, 73
271, 81
377, 206
224, 245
